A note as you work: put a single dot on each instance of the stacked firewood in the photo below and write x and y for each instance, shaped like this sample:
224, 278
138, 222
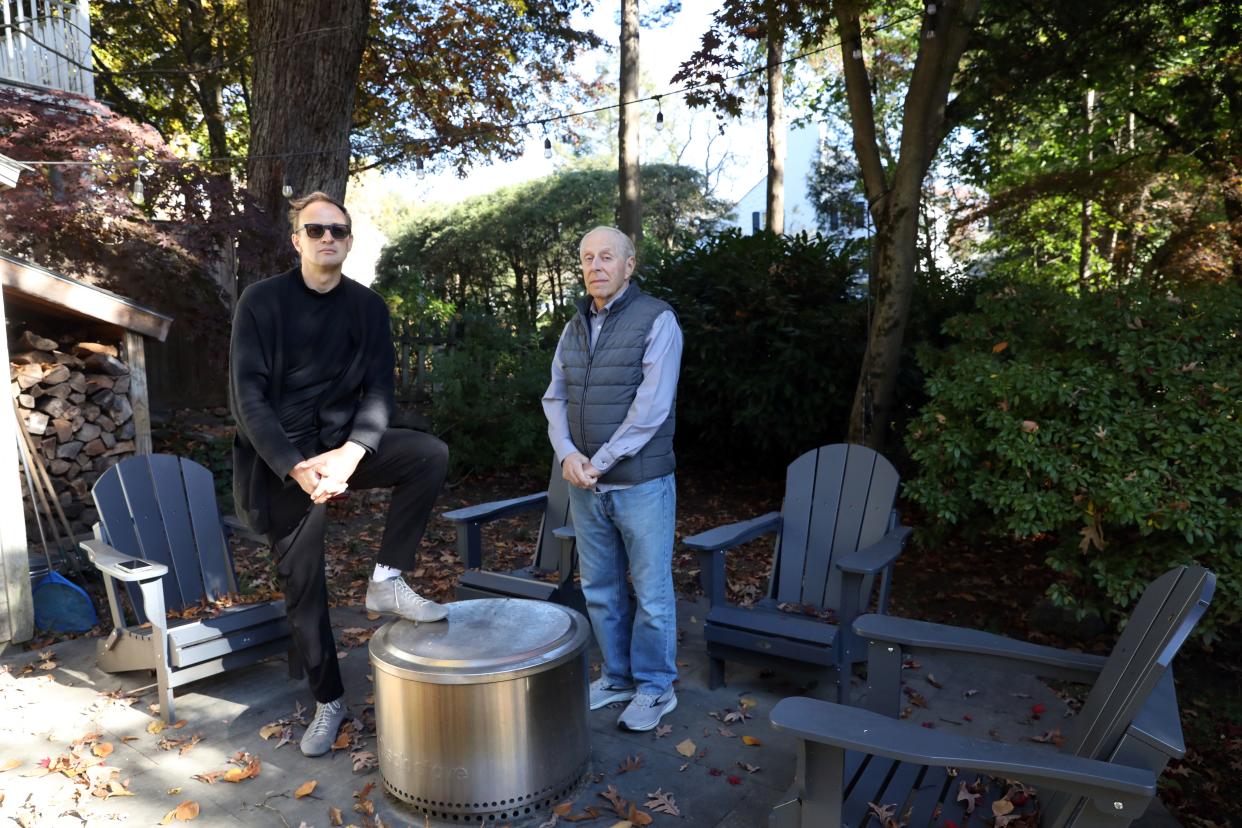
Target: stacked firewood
73, 398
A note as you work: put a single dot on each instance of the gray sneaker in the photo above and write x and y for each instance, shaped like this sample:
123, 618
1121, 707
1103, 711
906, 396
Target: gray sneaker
321, 732
604, 694
394, 597
646, 710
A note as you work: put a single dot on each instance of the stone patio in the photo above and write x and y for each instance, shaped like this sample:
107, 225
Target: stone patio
44, 710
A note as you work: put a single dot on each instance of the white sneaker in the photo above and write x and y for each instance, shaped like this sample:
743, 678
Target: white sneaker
646, 710
321, 732
394, 597
604, 694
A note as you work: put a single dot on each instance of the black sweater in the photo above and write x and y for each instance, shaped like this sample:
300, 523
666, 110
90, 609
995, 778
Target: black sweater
356, 406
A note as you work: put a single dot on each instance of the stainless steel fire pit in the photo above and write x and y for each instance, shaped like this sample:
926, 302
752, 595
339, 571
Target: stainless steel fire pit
483, 717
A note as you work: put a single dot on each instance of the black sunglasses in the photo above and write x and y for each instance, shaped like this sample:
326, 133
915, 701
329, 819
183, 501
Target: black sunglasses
315, 231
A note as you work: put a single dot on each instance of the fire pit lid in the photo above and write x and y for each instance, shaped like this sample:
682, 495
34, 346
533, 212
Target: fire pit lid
482, 640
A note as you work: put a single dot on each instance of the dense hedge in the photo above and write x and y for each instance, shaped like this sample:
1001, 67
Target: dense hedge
485, 398
774, 333
1108, 421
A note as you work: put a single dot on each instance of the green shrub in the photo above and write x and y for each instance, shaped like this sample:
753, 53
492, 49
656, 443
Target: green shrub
485, 399
1108, 422
774, 334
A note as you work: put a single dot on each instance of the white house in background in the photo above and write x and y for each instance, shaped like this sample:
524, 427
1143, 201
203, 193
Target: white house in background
801, 156
46, 44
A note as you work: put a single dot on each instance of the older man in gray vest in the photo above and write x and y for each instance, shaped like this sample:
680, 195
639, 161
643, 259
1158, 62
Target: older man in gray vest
611, 412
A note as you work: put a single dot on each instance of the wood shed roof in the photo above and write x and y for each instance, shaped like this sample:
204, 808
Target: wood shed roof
34, 285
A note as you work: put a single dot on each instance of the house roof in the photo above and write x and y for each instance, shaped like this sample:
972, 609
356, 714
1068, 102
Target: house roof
34, 285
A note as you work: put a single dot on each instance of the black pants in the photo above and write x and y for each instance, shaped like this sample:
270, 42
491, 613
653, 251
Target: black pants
414, 465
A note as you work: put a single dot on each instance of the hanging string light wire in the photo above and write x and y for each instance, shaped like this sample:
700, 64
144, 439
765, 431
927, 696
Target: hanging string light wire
429, 144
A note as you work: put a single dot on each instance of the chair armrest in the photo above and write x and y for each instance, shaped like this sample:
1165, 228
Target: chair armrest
1120, 790
924, 636
734, 534
565, 533
108, 561
233, 525
872, 559
484, 512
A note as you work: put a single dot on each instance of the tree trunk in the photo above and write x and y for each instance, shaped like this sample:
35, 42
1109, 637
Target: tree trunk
302, 103
776, 129
893, 195
1084, 234
631, 213
201, 50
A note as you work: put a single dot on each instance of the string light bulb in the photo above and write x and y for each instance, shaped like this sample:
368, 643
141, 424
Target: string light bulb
659, 114
547, 147
286, 190
931, 8
139, 196
419, 171
858, 53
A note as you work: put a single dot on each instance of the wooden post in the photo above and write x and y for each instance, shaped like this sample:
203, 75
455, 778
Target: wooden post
139, 400
16, 603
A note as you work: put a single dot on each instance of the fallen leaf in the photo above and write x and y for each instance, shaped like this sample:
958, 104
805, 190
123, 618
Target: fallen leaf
749, 768
662, 803
305, 789
751, 741
187, 810
173, 791
155, 726
1001, 807
884, 813
335, 816
734, 780
687, 748
269, 730
10, 764
563, 808
631, 763
747, 703
663, 730
969, 796
179, 724
364, 760
999, 346
1052, 737
103, 749
933, 682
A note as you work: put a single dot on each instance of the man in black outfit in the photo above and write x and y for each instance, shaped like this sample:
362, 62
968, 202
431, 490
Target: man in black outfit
311, 389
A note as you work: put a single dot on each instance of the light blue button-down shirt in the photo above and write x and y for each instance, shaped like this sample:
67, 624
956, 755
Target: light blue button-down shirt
651, 405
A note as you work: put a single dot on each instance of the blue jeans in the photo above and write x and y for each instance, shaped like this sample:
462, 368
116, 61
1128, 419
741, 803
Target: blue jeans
630, 529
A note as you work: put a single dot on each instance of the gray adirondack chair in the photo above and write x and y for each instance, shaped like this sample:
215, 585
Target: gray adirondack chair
1103, 774
550, 575
836, 533
160, 536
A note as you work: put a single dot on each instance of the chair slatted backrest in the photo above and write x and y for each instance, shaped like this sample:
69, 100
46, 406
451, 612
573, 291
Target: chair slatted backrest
1160, 623
555, 515
163, 508
838, 498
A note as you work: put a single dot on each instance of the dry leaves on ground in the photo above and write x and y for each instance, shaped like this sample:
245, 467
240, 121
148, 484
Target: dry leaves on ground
686, 748
662, 803
364, 760
248, 767
305, 789
184, 812
631, 763
624, 808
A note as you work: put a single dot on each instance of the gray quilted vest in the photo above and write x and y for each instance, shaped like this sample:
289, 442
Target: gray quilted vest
602, 385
